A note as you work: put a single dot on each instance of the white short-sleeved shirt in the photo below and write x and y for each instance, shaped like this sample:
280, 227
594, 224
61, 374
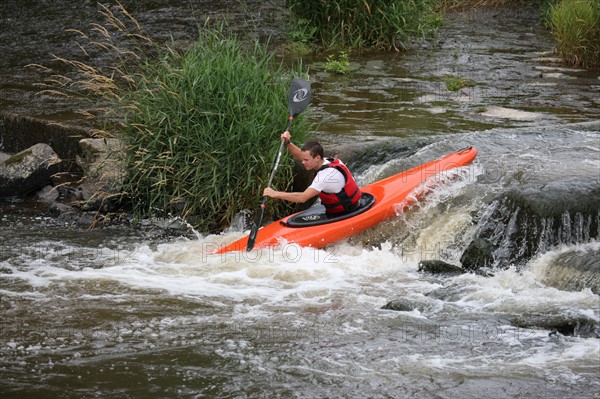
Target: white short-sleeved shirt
329, 180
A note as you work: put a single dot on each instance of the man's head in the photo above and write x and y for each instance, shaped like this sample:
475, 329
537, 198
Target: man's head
312, 155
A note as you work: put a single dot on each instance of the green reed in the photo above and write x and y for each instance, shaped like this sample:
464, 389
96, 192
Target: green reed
575, 25
383, 24
201, 126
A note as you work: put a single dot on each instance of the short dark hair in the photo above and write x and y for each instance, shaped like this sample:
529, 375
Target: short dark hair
314, 147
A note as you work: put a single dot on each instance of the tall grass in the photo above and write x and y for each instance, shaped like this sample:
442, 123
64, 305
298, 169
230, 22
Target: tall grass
383, 24
575, 25
201, 125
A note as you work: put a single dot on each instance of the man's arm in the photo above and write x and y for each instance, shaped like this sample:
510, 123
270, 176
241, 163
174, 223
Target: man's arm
292, 148
300, 197
295, 151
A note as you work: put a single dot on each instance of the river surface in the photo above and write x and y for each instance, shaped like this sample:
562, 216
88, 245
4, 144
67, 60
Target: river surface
131, 313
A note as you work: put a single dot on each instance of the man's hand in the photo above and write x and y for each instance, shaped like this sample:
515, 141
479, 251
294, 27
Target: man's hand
269, 192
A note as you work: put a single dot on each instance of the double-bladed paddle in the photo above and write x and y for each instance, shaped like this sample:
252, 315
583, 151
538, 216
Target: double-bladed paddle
298, 100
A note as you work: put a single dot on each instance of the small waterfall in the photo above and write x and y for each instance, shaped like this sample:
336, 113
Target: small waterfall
518, 225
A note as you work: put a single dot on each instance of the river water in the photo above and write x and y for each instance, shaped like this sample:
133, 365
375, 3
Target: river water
133, 313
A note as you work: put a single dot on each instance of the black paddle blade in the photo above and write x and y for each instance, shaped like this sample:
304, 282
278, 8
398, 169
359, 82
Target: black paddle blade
299, 96
255, 227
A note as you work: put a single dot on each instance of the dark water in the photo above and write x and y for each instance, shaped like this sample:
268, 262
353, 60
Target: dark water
122, 312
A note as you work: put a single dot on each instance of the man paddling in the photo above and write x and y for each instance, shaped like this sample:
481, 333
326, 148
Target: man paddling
333, 182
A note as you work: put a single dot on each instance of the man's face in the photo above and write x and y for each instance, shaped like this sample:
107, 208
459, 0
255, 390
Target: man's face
309, 162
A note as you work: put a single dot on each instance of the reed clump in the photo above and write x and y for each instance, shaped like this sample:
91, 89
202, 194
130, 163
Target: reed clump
201, 126
575, 25
381, 24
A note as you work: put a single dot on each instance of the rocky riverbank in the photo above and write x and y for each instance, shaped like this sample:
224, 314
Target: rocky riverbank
70, 175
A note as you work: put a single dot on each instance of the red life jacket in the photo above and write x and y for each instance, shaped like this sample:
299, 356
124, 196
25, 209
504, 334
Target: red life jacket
345, 200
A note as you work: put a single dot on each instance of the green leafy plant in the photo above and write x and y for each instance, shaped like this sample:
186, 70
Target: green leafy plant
300, 37
301, 31
339, 65
456, 82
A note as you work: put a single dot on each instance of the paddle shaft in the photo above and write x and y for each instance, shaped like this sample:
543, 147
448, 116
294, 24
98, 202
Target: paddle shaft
298, 100
263, 202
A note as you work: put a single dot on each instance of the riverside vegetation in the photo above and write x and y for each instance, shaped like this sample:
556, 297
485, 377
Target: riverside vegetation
575, 25
204, 125
381, 24
201, 124
385, 24
198, 124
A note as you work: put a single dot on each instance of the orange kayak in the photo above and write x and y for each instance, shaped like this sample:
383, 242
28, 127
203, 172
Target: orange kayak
386, 198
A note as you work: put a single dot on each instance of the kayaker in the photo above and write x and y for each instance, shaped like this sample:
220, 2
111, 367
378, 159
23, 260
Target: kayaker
333, 182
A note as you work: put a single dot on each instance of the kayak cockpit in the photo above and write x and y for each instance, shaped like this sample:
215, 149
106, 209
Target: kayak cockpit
316, 215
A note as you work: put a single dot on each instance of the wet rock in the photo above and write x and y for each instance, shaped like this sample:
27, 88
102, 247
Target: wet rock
576, 326
18, 132
58, 209
439, 267
574, 270
518, 225
447, 294
405, 305
29, 170
71, 215
102, 163
48, 194
479, 253
70, 194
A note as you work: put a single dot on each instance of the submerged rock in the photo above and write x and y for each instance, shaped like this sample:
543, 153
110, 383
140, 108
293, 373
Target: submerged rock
574, 269
510, 113
405, 305
576, 326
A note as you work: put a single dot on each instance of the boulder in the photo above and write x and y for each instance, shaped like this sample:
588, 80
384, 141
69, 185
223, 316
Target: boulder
29, 170
102, 164
479, 253
573, 269
522, 223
